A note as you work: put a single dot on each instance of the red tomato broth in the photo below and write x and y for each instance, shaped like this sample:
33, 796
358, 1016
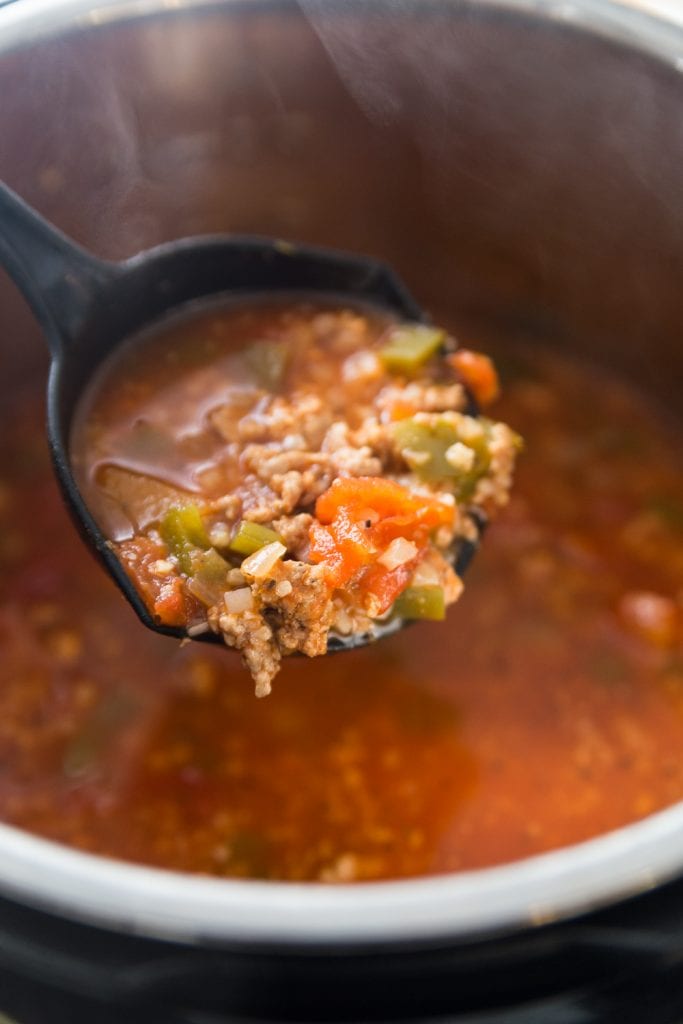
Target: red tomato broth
535, 717
164, 385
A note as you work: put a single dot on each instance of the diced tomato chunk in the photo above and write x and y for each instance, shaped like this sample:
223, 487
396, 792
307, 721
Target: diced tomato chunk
357, 518
169, 606
385, 497
164, 595
326, 550
344, 546
400, 409
478, 373
386, 584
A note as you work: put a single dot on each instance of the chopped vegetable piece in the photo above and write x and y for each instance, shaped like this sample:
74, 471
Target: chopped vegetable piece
163, 593
383, 496
478, 373
429, 449
398, 553
252, 536
209, 579
169, 606
183, 530
359, 517
460, 457
410, 346
268, 362
262, 561
421, 603
239, 601
381, 586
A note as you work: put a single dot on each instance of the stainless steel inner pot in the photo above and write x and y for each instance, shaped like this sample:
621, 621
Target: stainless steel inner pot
518, 161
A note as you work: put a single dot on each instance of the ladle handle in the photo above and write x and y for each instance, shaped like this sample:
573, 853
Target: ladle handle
58, 279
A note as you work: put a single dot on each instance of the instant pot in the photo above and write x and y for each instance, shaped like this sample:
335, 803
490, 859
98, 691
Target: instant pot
520, 161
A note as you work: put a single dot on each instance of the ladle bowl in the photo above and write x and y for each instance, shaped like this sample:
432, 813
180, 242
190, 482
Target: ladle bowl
87, 306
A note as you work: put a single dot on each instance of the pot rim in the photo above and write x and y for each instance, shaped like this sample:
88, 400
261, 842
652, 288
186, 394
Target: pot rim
464, 906
461, 907
617, 20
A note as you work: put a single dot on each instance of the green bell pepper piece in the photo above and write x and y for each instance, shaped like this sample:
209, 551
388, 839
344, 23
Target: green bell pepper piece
410, 346
421, 603
250, 537
209, 580
425, 446
182, 530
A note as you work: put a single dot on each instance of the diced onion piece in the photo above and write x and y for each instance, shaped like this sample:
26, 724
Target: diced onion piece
426, 575
361, 366
205, 592
262, 561
416, 458
162, 567
398, 553
460, 457
219, 535
238, 601
470, 429
198, 629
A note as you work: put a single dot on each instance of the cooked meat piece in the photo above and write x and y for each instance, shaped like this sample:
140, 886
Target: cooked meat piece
274, 419
297, 603
294, 531
250, 634
418, 397
348, 618
268, 462
357, 452
434, 570
344, 331
355, 462
296, 477
494, 488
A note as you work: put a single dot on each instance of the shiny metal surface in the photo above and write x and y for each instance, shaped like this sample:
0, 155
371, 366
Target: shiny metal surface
519, 162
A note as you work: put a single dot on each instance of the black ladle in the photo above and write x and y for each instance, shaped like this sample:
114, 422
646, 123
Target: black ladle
87, 306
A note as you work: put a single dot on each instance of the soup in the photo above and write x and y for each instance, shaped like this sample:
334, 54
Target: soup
283, 474
547, 709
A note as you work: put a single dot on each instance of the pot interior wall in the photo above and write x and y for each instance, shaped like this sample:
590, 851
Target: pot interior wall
520, 173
